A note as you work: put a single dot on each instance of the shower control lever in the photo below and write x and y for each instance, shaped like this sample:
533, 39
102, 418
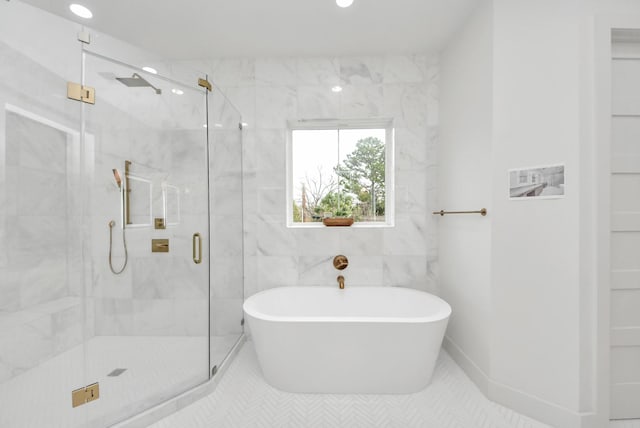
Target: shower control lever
159, 245
340, 262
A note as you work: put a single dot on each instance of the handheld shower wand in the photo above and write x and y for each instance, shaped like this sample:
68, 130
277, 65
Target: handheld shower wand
112, 223
116, 175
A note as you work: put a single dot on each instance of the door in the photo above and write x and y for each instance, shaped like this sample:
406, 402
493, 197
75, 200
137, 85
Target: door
625, 233
147, 212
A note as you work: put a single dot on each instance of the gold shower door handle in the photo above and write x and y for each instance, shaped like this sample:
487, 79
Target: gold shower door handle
197, 254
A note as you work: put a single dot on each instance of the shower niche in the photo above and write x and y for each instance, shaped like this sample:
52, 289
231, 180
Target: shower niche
140, 200
171, 204
149, 197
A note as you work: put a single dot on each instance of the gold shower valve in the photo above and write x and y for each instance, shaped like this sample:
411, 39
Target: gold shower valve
159, 245
340, 262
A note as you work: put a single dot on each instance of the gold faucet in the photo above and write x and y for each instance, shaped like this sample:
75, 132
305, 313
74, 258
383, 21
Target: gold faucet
341, 282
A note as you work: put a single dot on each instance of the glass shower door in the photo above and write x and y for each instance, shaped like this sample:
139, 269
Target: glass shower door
41, 301
227, 225
147, 181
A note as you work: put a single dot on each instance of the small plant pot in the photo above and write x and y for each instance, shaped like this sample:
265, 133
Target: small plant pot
338, 221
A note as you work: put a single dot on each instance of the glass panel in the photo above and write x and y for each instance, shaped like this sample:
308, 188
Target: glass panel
41, 310
227, 267
151, 330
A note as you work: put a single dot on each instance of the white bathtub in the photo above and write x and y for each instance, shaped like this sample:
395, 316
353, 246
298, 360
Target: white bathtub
357, 340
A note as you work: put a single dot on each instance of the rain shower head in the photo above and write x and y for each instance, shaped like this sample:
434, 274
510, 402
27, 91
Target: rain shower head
137, 81
116, 175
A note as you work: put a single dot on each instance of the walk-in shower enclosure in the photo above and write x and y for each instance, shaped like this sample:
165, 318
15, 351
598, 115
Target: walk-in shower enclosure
67, 321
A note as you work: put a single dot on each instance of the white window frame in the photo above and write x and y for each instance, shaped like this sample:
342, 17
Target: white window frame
335, 124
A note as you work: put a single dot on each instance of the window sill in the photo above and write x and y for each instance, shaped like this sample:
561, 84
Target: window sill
360, 225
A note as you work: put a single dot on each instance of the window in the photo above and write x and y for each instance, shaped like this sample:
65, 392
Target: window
340, 170
524, 178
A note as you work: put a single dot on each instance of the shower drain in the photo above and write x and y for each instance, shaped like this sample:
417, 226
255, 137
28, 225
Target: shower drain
117, 372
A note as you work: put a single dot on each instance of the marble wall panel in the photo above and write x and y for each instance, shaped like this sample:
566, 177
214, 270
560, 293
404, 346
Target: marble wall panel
402, 88
276, 71
318, 71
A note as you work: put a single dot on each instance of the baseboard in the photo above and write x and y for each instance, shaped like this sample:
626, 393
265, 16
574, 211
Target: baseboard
475, 373
538, 408
519, 401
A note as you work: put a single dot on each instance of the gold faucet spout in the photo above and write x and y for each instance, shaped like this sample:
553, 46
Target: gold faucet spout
341, 282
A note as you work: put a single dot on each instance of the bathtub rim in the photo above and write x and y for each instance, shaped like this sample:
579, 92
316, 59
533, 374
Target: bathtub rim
254, 313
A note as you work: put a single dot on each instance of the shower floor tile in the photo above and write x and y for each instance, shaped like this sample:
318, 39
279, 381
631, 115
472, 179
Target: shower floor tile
157, 368
244, 399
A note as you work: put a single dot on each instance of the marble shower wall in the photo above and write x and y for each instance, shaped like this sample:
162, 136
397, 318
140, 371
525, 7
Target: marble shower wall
270, 91
158, 294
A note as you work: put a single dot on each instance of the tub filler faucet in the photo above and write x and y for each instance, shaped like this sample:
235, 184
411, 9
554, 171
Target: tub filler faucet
340, 262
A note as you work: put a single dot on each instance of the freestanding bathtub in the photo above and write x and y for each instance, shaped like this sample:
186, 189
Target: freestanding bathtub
368, 340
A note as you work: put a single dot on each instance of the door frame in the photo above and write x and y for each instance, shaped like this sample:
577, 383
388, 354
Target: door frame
602, 110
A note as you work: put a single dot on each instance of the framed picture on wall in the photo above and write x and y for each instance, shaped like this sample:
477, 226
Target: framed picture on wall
544, 182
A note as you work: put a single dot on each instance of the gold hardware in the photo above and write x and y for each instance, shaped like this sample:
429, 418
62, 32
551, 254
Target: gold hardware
127, 213
340, 282
77, 92
340, 262
205, 84
85, 395
159, 245
159, 223
197, 259
482, 212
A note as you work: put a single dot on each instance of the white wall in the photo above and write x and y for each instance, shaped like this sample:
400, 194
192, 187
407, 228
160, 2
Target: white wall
464, 178
535, 243
533, 343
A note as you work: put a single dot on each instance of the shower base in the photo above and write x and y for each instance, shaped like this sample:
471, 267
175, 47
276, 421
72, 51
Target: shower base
157, 369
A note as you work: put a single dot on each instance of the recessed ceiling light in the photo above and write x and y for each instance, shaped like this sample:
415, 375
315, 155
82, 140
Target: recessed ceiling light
150, 70
244, 124
217, 125
337, 88
344, 3
177, 91
81, 11
204, 126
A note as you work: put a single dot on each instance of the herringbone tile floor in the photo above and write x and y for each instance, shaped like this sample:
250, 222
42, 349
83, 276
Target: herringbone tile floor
244, 400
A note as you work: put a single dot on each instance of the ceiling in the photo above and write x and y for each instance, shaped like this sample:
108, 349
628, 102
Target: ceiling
199, 29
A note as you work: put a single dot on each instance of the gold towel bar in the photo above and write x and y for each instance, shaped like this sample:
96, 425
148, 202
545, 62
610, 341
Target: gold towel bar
482, 212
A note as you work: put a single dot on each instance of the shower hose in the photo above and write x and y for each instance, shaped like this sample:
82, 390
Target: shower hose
124, 241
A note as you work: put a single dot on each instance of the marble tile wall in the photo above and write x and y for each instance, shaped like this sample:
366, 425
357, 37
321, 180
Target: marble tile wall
270, 91
158, 294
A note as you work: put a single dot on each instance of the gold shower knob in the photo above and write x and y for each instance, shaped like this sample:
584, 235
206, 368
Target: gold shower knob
340, 262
